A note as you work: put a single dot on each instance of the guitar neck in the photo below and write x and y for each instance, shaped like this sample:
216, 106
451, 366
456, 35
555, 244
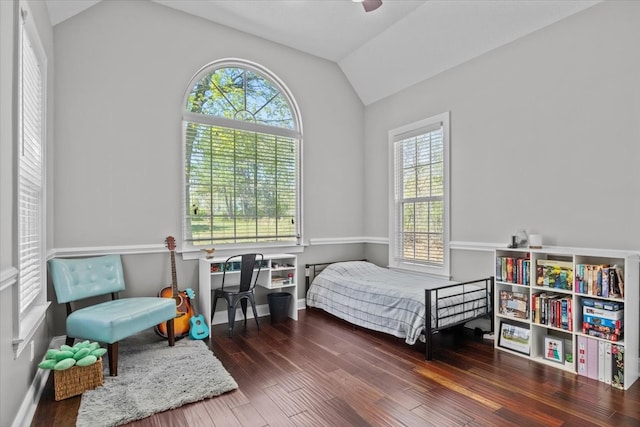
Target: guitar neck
174, 277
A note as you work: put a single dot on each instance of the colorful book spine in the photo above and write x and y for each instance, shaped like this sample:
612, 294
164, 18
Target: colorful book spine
617, 366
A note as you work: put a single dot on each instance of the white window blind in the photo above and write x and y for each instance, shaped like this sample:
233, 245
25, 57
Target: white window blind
420, 196
241, 186
30, 172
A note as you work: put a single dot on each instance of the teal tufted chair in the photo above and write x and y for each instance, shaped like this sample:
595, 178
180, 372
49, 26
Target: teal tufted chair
110, 321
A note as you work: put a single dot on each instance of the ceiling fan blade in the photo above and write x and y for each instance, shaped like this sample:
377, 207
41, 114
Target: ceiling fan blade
370, 5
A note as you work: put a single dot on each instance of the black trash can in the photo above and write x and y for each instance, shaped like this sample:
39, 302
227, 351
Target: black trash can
279, 306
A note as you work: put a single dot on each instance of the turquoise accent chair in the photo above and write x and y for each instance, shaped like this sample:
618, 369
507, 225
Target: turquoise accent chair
108, 322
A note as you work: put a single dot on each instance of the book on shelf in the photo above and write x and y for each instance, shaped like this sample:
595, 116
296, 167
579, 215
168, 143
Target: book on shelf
553, 310
513, 270
601, 360
600, 280
582, 355
554, 274
617, 366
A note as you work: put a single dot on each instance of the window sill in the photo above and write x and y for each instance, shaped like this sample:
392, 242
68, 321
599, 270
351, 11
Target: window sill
28, 327
191, 253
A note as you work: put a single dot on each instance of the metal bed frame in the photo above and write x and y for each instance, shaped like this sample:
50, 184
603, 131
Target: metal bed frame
432, 297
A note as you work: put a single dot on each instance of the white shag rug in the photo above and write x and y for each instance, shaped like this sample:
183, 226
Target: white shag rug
153, 377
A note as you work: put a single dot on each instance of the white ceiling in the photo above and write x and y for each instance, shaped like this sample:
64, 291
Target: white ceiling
414, 39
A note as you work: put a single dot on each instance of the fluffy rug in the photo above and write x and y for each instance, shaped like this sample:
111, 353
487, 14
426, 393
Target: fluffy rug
153, 377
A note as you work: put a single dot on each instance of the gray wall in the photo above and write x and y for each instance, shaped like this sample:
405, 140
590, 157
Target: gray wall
122, 71
544, 136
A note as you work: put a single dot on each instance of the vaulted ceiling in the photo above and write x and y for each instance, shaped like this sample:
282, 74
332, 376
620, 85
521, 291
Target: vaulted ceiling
415, 39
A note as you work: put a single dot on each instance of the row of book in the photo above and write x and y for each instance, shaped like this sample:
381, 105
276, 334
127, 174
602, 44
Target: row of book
513, 270
599, 280
603, 319
601, 360
552, 310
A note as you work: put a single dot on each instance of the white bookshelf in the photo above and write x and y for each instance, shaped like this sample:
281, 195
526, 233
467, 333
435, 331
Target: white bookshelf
537, 347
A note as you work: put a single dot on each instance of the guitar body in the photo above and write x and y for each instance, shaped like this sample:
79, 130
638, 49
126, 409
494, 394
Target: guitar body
184, 311
199, 329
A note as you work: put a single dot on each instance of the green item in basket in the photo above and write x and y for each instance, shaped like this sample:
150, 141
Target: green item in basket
87, 360
64, 364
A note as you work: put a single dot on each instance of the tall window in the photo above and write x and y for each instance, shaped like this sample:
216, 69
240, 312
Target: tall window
419, 210
30, 180
242, 158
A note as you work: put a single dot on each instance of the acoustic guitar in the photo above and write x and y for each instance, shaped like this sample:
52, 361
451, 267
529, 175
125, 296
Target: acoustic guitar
199, 329
184, 311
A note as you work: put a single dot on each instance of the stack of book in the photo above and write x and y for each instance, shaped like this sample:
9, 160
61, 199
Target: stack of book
603, 319
599, 280
601, 360
552, 310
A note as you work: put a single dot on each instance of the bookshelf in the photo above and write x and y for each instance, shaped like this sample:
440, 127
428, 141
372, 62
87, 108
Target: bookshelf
540, 298
279, 273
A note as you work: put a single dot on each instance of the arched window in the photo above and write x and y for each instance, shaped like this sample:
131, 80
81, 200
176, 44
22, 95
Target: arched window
242, 143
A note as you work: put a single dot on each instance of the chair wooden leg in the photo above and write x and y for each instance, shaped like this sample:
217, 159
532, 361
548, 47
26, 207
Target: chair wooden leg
171, 332
69, 341
112, 351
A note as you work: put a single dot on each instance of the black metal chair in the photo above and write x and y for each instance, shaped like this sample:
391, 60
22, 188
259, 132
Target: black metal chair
249, 266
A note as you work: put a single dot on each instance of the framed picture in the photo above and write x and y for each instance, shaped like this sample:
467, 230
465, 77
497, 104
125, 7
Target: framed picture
515, 337
554, 349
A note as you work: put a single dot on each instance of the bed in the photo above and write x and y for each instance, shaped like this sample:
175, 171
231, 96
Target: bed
395, 302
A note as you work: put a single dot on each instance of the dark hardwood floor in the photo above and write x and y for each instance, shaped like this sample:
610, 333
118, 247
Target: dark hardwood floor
320, 371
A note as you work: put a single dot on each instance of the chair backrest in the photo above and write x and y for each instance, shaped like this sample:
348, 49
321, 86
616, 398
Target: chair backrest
79, 278
250, 263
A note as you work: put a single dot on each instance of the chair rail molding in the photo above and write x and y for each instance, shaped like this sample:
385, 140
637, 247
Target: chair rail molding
8, 277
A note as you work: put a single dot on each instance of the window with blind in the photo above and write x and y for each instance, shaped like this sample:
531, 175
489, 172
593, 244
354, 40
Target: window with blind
241, 156
29, 299
31, 276
419, 211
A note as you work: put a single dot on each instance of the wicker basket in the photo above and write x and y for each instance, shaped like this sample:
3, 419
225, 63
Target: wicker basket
76, 380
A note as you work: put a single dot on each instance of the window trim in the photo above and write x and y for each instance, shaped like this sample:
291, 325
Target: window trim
26, 323
190, 251
409, 129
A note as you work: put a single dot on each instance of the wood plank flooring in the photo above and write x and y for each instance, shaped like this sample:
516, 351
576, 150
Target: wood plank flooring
321, 371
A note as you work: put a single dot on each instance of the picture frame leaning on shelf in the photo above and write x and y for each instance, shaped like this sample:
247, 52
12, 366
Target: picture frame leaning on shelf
554, 349
515, 337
